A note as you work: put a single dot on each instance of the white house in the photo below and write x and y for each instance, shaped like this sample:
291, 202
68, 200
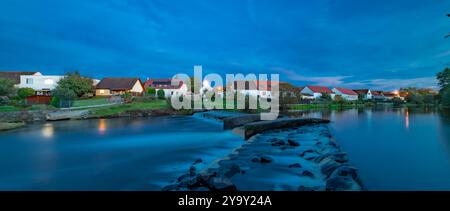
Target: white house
253, 89
166, 85
347, 94
42, 84
315, 92
366, 93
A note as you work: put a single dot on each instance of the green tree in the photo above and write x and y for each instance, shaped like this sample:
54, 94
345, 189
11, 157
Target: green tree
6, 87
415, 98
79, 85
428, 99
151, 91
161, 94
443, 78
64, 96
339, 100
397, 101
445, 96
326, 97
23, 93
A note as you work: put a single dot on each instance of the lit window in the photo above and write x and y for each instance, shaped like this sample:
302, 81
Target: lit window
48, 81
102, 91
29, 81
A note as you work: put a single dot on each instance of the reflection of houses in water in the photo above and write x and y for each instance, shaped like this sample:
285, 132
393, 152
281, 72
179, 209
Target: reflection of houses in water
407, 119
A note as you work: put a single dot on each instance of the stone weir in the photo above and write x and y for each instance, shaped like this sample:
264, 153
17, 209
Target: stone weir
285, 154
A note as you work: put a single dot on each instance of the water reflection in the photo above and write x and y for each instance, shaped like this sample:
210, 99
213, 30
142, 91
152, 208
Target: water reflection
102, 126
407, 119
48, 131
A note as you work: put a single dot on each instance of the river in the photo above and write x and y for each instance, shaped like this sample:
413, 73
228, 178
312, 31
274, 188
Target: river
394, 149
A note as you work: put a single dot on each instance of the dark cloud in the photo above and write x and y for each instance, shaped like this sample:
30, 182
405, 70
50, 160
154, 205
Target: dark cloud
352, 42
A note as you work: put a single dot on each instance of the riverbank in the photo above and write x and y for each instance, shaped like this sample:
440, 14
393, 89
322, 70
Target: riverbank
294, 158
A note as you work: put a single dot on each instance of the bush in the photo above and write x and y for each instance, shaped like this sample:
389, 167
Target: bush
415, 99
445, 96
161, 94
23, 93
65, 96
7, 87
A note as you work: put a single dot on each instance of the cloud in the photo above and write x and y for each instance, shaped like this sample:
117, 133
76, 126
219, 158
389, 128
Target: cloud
323, 81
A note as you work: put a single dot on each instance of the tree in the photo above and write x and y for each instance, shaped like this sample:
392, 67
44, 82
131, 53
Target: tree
443, 78
161, 94
428, 99
23, 93
445, 96
339, 99
326, 96
151, 91
415, 98
397, 101
79, 85
64, 96
6, 87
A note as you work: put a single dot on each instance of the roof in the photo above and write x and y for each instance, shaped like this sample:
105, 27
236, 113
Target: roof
346, 91
377, 92
361, 91
165, 83
389, 94
15, 75
118, 83
320, 89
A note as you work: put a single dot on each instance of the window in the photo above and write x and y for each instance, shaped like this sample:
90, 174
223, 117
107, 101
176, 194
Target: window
29, 81
102, 91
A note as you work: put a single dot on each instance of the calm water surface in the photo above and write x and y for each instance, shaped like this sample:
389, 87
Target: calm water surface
395, 149
114, 154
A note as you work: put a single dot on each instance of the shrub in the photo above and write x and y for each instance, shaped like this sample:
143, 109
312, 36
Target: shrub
23, 93
161, 94
151, 91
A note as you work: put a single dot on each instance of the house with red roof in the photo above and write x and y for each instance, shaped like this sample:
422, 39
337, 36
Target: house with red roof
366, 93
315, 92
347, 94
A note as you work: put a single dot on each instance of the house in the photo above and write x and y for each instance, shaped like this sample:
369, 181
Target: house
253, 89
15, 75
377, 95
42, 84
179, 89
315, 92
366, 93
346, 94
119, 86
390, 95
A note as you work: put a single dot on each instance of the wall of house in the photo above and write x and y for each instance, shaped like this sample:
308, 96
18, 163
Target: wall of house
137, 88
102, 92
39, 82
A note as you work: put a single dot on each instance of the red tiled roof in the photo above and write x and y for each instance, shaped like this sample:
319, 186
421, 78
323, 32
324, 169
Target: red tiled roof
162, 84
346, 91
118, 83
361, 91
377, 93
320, 89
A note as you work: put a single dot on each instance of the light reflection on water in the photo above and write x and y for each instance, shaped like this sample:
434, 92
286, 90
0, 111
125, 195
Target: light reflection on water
394, 149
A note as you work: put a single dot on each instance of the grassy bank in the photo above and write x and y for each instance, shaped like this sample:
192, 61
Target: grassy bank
10, 125
117, 109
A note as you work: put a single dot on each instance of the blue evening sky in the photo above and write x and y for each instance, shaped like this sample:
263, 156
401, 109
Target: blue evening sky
352, 43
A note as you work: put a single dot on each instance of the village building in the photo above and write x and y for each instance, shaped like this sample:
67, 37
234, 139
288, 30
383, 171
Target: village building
365, 93
15, 75
119, 86
42, 84
316, 92
378, 96
346, 94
